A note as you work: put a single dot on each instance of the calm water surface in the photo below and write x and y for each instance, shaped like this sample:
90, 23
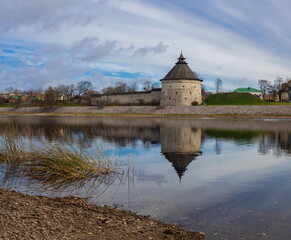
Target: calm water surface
228, 178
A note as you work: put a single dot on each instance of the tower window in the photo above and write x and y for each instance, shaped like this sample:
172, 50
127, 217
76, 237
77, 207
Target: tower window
190, 92
185, 98
183, 86
176, 92
170, 85
169, 98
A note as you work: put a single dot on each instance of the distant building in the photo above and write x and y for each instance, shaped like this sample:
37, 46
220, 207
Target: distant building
250, 90
4, 94
180, 87
286, 94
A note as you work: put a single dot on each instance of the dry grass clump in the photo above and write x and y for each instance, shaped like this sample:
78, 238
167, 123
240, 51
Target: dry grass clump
60, 161
51, 161
12, 149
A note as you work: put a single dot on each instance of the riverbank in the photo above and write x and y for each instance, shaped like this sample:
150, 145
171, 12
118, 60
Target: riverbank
282, 111
30, 217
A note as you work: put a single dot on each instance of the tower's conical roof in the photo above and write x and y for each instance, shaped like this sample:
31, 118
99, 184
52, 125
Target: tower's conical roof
181, 71
180, 161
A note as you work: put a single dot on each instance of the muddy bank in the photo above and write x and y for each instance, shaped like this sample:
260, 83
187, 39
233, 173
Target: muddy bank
30, 217
257, 110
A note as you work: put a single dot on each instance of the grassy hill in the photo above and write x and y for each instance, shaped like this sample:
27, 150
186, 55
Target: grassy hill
233, 99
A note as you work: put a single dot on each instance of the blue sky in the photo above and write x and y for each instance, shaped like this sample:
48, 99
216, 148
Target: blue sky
51, 42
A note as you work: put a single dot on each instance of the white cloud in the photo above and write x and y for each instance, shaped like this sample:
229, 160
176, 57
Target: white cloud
47, 14
227, 39
57, 64
90, 49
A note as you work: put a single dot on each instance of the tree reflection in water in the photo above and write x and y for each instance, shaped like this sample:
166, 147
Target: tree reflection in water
180, 139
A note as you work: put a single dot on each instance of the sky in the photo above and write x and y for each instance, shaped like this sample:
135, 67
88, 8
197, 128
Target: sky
50, 42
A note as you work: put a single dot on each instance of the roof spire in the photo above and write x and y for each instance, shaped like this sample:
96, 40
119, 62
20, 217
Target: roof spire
181, 71
181, 59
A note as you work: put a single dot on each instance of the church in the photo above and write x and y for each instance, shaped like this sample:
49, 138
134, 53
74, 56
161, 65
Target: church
180, 87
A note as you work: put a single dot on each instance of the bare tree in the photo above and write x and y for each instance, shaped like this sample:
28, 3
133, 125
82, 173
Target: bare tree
70, 90
218, 85
264, 86
272, 92
50, 96
278, 86
83, 87
147, 85
108, 90
9, 89
66, 90
133, 87
121, 87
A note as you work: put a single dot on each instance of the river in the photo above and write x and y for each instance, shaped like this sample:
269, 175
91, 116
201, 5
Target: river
229, 178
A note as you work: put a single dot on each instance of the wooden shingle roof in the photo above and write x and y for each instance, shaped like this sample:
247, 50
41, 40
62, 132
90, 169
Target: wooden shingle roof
181, 71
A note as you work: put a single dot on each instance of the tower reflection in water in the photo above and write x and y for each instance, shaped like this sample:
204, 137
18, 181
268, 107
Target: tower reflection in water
180, 138
180, 145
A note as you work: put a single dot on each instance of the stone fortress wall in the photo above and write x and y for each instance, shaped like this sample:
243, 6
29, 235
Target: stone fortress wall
180, 87
133, 98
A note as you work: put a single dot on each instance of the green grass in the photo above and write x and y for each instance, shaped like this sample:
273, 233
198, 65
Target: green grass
6, 105
234, 99
237, 136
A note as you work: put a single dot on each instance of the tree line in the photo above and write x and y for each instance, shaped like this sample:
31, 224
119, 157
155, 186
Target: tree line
268, 88
82, 89
275, 88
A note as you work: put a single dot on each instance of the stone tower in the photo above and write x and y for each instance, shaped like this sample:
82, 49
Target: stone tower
181, 86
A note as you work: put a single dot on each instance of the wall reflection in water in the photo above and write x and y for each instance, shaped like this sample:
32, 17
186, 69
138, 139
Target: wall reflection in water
180, 139
233, 175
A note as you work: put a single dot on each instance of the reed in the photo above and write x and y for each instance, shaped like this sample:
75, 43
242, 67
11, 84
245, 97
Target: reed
12, 149
62, 161
58, 161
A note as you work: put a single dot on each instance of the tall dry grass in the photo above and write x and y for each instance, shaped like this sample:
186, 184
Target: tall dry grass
52, 161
